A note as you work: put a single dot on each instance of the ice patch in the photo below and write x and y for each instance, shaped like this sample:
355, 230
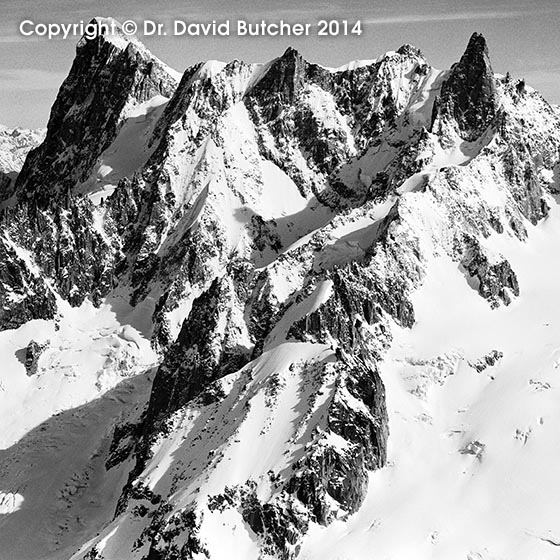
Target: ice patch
10, 502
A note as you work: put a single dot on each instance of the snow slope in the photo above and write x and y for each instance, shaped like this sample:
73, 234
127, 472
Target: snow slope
288, 263
470, 454
57, 426
87, 352
61, 491
129, 151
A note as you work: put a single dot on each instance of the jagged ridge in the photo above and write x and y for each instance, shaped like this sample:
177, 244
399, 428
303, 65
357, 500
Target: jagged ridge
272, 311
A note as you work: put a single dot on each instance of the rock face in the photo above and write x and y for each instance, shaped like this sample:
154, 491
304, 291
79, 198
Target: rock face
32, 354
328, 473
109, 73
468, 95
491, 359
495, 279
205, 350
52, 222
24, 295
274, 227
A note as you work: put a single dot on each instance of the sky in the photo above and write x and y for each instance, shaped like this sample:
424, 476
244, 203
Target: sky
523, 38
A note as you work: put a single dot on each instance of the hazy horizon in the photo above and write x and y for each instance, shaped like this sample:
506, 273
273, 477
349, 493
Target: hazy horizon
522, 39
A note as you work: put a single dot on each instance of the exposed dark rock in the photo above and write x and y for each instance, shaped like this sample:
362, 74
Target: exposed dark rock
24, 295
475, 448
357, 292
32, 355
524, 184
489, 360
165, 527
279, 525
51, 222
468, 96
202, 353
494, 278
123, 443
162, 548
264, 237
105, 75
283, 81
264, 311
6, 186
339, 472
66, 247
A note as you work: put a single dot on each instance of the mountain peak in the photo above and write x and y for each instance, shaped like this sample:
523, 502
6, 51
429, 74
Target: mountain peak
469, 94
292, 54
110, 71
285, 75
410, 50
477, 43
109, 30
476, 58
238, 263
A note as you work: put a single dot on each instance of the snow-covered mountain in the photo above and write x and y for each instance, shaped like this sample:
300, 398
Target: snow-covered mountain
15, 144
282, 311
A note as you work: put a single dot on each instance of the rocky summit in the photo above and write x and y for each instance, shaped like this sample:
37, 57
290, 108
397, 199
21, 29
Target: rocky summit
280, 311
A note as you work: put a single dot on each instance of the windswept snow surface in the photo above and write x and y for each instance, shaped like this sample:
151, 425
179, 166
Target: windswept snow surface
471, 454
